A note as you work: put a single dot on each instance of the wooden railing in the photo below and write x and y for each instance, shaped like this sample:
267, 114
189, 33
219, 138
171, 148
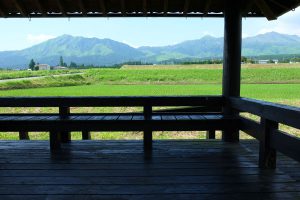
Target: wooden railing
267, 131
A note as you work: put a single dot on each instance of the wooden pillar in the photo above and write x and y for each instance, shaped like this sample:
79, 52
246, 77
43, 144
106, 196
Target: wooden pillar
147, 133
65, 135
211, 134
267, 155
23, 135
86, 135
232, 62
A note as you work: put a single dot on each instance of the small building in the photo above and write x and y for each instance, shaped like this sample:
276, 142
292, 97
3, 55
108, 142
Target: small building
59, 68
263, 61
43, 66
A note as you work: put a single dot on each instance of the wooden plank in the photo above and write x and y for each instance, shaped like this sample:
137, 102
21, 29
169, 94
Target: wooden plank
23, 135
287, 144
125, 117
107, 101
182, 117
86, 135
138, 117
211, 134
156, 117
168, 117
55, 139
197, 117
267, 154
250, 127
64, 112
111, 117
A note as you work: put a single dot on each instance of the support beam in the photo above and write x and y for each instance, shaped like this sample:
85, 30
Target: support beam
65, 135
54, 141
166, 4
145, 8
267, 155
61, 8
103, 8
20, 8
86, 135
23, 135
265, 9
148, 133
41, 8
2, 12
186, 7
82, 8
123, 7
206, 8
210, 134
232, 62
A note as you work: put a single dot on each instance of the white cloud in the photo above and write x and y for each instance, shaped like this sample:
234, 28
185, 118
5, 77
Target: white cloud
35, 39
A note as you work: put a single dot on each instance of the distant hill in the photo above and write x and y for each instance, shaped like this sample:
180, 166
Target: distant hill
108, 52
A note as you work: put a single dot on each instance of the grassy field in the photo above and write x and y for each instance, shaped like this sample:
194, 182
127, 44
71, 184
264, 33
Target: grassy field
279, 84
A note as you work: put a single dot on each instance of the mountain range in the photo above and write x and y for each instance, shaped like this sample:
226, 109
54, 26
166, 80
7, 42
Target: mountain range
109, 52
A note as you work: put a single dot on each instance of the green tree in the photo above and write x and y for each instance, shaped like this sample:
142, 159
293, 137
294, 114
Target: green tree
31, 64
61, 61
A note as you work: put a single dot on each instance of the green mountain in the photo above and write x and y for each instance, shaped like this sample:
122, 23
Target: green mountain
108, 52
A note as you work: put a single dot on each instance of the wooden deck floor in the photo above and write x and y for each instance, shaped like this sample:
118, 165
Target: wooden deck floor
118, 170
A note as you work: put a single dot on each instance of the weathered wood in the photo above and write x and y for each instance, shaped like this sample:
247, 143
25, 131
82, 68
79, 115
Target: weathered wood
232, 62
287, 144
250, 127
211, 134
64, 113
23, 135
86, 135
267, 154
55, 141
130, 101
285, 114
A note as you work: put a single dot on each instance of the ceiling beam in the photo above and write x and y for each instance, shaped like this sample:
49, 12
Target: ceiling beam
82, 8
247, 7
123, 8
166, 3
20, 7
41, 7
265, 9
103, 8
2, 12
279, 4
186, 7
61, 8
145, 7
206, 7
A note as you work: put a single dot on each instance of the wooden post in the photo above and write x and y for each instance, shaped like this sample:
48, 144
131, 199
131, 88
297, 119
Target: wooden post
211, 134
267, 155
23, 135
147, 132
65, 135
86, 135
54, 141
232, 62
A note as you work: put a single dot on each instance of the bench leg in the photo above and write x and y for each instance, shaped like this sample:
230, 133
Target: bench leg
267, 155
65, 137
54, 141
23, 135
148, 143
211, 134
86, 135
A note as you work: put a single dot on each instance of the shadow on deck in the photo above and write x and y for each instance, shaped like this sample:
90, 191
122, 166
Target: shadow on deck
186, 169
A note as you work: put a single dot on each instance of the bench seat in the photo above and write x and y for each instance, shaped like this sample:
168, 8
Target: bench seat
115, 122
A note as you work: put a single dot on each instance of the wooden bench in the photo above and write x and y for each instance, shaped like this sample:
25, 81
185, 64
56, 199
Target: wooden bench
193, 113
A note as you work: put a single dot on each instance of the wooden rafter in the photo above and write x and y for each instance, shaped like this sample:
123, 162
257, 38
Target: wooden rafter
61, 8
82, 8
166, 4
145, 7
265, 9
20, 7
186, 7
2, 13
206, 7
41, 7
103, 8
123, 7
279, 4
247, 7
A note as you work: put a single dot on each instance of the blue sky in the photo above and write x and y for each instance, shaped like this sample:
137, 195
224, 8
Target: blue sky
21, 33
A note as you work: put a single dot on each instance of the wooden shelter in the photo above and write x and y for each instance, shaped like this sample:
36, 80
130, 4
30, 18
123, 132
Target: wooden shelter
171, 169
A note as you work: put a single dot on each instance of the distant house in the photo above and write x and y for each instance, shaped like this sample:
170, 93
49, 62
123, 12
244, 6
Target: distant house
59, 67
263, 61
43, 66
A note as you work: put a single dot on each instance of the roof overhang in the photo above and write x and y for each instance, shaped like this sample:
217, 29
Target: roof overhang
271, 9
